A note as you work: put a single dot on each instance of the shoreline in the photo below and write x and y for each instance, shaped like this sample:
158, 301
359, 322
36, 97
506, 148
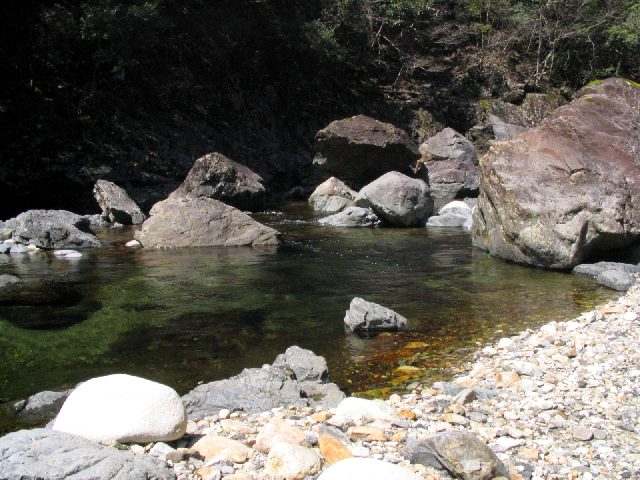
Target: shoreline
559, 401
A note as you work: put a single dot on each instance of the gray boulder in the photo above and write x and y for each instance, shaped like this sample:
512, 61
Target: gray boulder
41, 407
52, 229
449, 164
397, 199
7, 280
352, 217
116, 205
614, 275
332, 196
218, 177
5, 232
202, 222
460, 453
359, 149
297, 377
364, 316
45, 454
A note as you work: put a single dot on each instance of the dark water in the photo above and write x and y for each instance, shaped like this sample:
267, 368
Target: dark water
185, 316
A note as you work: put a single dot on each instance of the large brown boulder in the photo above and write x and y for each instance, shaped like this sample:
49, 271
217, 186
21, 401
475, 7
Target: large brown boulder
202, 222
218, 177
569, 189
360, 149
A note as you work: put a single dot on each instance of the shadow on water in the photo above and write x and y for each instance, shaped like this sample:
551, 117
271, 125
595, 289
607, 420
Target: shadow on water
193, 315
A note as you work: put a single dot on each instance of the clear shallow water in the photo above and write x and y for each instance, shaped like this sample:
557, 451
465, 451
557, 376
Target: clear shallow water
191, 315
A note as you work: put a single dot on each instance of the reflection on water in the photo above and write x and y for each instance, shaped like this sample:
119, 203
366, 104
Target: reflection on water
183, 316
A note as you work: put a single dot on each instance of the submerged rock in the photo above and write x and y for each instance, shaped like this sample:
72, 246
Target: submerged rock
461, 453
218, 177
47, 454
568, 189
123, 408
202, 222
398, 200
360, 149
332, 196
364, 316
116, 205
297, 378
352, 217
52, 229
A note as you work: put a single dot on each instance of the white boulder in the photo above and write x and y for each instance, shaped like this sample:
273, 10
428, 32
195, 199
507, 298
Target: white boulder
366, 469
332, 196
123, 408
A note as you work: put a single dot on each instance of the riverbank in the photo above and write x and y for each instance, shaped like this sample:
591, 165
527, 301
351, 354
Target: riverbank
560, 401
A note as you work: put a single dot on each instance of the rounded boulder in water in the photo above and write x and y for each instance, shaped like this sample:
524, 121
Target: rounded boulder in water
123, 408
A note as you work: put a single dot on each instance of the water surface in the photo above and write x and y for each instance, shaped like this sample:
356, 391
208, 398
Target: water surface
191, 315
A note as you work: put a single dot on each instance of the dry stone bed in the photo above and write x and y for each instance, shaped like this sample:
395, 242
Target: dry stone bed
560, 402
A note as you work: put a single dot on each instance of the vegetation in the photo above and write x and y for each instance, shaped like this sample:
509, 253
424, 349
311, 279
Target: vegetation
122, 86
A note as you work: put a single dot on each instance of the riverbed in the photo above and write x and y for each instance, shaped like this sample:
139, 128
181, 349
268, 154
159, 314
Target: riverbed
185, 316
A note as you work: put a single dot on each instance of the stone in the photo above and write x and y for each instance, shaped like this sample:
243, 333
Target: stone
584, 434
275, 431
454, 214
215, 449
332, 196
449, 165
67, 254
460, 453
116, 205
160, 450
360, 149
261, 389
333, 444
291, 462
360, 410
220, 178
397, 199
123, 408
7, 280
303, 364
364, 316
47, 454
41, 407
202, 222
569, 189
352, 217
18, 249
366, 469
52, 229
133, 244
616, 280
367, 434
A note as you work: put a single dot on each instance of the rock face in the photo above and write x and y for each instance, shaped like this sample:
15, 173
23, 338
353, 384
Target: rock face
448, 163
123, 408
52, 229
332, 196
364, 316
398, 200
560, 193
360, 149
461, 453
454, 214
614, 275
46, 454
116, 205
202, 222
352, 217
218, 177
366, 469
297, 377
